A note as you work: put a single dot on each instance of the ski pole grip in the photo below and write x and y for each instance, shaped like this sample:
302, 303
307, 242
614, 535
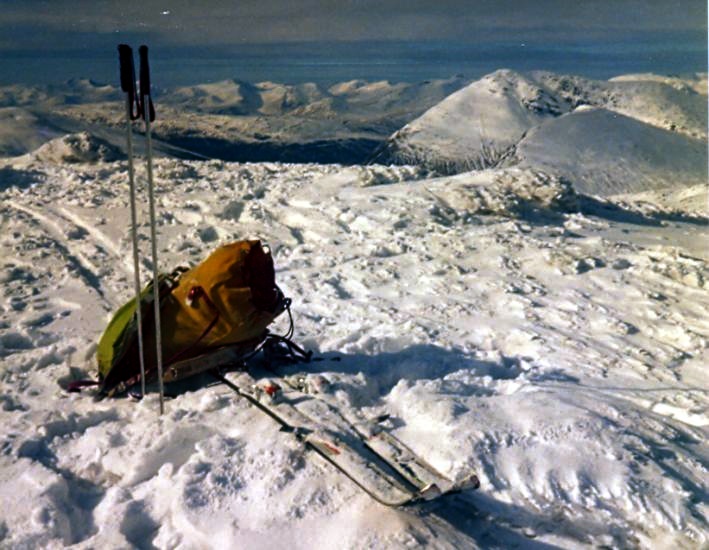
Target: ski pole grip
125, 59
144, 71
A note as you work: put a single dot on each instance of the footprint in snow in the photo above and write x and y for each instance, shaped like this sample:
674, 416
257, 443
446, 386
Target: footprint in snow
208, 234
77, 233
232, 211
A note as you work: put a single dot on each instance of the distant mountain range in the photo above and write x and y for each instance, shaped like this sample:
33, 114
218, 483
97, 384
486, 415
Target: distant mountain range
231, 120
632, 132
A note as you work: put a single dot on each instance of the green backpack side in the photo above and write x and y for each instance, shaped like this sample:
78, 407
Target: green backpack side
120, 336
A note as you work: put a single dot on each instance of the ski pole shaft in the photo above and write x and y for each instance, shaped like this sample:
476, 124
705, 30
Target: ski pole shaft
148, 116
127, 70
136, 258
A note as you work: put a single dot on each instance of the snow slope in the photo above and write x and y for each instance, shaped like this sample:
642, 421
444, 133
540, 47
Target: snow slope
603, 152
679, 105
697, 81
553, 342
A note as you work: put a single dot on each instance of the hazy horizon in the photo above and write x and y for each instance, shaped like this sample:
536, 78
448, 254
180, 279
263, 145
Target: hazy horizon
397, 61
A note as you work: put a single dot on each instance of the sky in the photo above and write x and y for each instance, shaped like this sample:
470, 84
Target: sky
275, 31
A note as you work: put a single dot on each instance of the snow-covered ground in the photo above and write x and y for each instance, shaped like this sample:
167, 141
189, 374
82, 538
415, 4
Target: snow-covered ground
556, 343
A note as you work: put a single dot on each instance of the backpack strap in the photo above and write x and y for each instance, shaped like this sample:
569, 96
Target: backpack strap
197, 293
76, 385
282, 346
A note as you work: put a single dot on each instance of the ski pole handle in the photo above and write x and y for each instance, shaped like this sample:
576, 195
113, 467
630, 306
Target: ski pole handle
125, 58
144, 71
145, 84
127, 70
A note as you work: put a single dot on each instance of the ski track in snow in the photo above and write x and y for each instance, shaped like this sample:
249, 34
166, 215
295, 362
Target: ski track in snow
561, 362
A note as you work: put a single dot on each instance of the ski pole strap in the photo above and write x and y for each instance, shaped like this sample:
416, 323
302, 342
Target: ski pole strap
127, 69
145, 84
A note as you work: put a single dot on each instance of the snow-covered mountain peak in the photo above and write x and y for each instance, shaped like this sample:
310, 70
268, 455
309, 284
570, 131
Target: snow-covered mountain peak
476, 126
480, 125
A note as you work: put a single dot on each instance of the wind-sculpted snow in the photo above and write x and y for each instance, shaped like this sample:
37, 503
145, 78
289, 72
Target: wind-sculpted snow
553, 342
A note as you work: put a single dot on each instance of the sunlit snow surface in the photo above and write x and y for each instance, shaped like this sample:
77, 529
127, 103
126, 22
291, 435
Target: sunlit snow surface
554, 343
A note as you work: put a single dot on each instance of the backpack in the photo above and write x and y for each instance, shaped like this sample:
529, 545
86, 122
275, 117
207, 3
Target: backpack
223, 305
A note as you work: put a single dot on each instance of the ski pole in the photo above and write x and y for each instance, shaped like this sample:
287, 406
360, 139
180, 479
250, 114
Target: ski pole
148, 113
127, 69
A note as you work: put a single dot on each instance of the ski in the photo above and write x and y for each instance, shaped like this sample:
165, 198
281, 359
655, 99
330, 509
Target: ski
411, 465
342, 449
377, 437
364, 451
